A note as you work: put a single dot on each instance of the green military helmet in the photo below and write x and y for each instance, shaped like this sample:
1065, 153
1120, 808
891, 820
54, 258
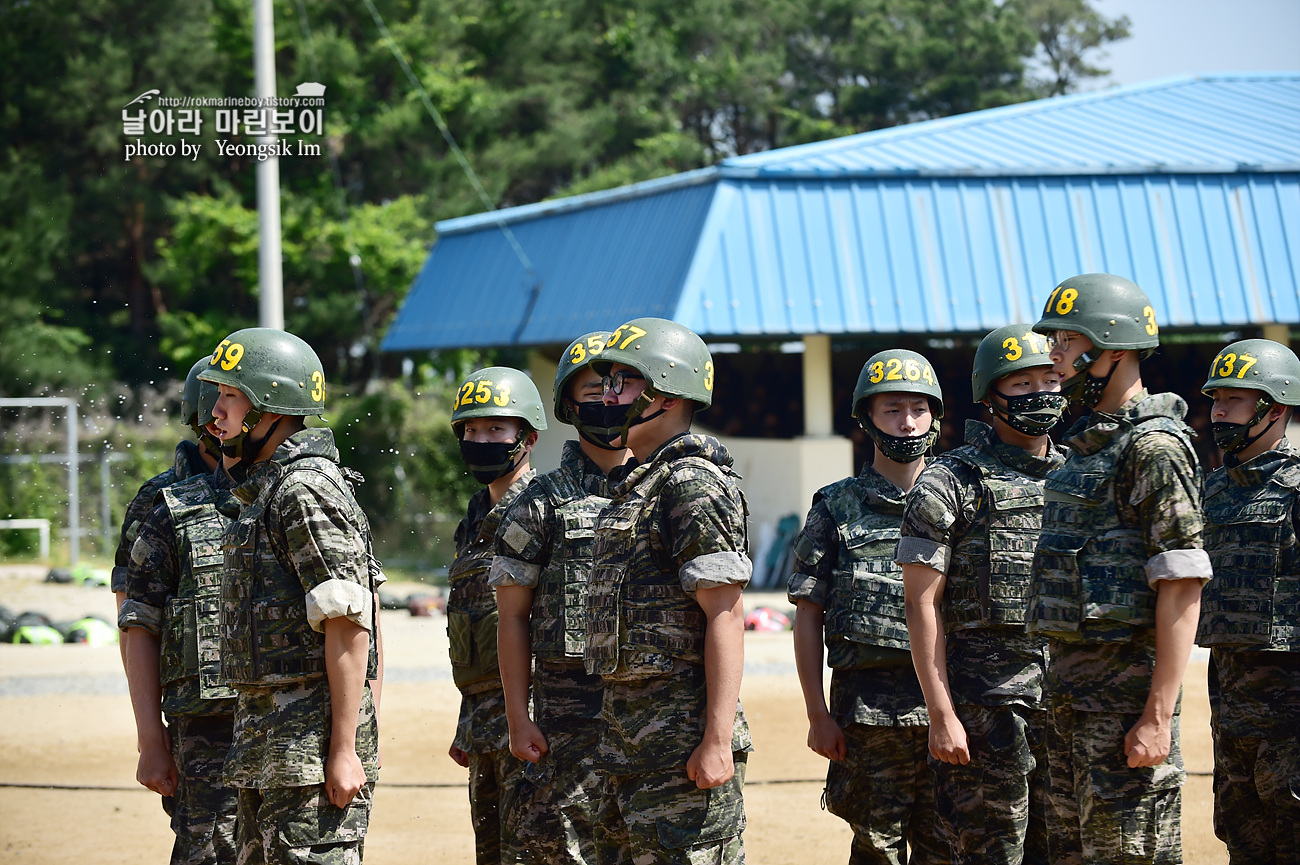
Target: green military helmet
896, 370
277, 371
190, 393
580, 354
1004, 351
1109, 310
1257, 364
498, 391
671, 356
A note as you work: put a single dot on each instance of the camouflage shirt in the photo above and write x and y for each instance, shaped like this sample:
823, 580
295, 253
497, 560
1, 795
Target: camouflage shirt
481, 725
282, 732
883, 691
948, 509
187, 463
693, 534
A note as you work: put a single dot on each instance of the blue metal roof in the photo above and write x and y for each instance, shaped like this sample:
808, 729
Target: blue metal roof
1190, 186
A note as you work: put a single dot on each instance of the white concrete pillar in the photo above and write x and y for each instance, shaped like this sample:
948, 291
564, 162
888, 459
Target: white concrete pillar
818, 413
550, 444
1277, 332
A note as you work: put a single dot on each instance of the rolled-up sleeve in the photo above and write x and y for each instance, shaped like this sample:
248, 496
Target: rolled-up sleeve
934, 506
704, 530
1167, 498
138, 614
716, 569
335, 599
1179, 565
523, 541
512, 572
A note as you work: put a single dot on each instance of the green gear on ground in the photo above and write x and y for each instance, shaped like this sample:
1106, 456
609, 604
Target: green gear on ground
499, 391
40, 635
1006, 350
897, 370
671, 356
277, 371
190, 394
1110, 310
580, 354
93, 631
1257, 364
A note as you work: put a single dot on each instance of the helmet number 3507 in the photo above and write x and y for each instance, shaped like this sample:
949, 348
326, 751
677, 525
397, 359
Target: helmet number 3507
227, 354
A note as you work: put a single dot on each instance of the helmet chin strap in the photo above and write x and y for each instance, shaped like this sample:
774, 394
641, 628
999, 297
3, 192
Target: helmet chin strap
1083, 387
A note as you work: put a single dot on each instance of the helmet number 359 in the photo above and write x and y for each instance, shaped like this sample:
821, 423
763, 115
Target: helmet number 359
227, 354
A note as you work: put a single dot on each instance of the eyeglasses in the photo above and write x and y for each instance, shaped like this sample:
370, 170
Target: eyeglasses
617, 380
1060, 339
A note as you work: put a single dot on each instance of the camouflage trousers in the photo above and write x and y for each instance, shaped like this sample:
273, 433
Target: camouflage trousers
493, 779
203, 807
884, 789
1256, 810
993, 810
662, 818
554, 815
298, 825
1101, 812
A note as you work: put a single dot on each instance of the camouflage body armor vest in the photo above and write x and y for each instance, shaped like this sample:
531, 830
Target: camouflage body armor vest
636, 612
190, 654
1254, 599
266, 638
472, 605
1089, 567
985, 592
559, 614
865, 605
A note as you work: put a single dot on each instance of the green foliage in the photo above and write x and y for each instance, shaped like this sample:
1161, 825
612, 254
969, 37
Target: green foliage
416, 484
1067, 32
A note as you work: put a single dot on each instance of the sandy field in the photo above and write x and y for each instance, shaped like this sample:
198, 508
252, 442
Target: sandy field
67, 751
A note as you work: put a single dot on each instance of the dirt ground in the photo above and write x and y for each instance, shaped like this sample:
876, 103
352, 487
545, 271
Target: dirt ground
67, 752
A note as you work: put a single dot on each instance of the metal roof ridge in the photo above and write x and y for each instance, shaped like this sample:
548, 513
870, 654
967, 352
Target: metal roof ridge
553, 206
1099, 169
982, 116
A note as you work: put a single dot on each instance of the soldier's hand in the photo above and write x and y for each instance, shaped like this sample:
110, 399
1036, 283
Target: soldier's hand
948, 742
825, 737
711, 765
344, 776
461, 757
1148, 743
156, 769
527, 741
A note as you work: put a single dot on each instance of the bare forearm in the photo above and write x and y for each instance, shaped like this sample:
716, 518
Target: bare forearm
514, 647
809, 662
1178, 606
724, 660
144, 682
347, 646
923, 589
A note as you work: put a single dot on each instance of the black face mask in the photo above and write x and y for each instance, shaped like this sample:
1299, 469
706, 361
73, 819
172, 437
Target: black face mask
600, 424
1235, 437
488, 461
902, 449
1083, 387
611, 422
1033, 414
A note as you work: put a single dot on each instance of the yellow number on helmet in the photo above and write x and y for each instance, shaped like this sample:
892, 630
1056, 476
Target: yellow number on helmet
877, 372
1066, 303
596, 344
217, 352
234, 352
466, 393
1152, 328
503, 395
1014, 351
577, 354
483, 392
928, 375
912, 370
1247, 361
895, 367
318, 392
1229, 364
708, 375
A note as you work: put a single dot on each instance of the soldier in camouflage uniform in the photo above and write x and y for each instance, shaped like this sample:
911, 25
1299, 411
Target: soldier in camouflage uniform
848, 592
299, 638
190, 460
172, 586
968, 538
1117, 584
496, 416
541, 569
666, 627
1249, 612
